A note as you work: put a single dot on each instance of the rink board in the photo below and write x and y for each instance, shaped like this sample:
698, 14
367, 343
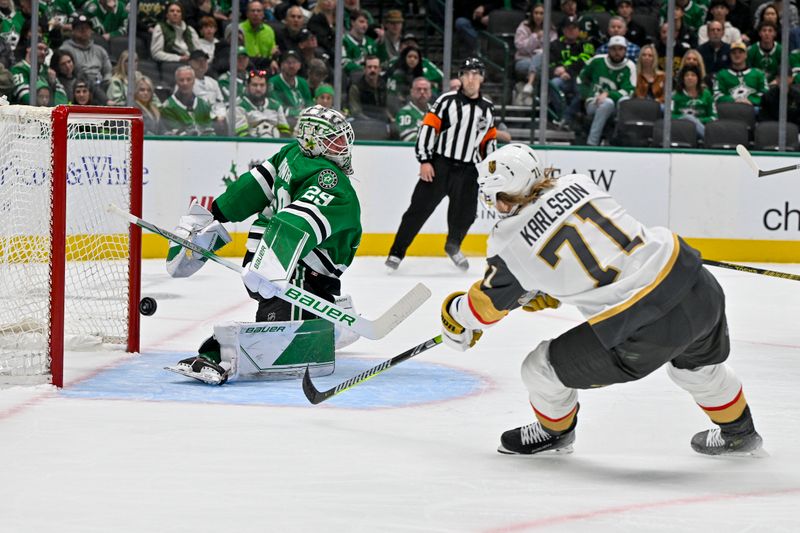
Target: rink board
710, 197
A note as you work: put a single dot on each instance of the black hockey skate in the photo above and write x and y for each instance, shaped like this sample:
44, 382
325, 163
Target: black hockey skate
533, 438
201, 369
738, 438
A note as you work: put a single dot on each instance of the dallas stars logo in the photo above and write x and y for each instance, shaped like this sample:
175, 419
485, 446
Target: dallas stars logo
327, 179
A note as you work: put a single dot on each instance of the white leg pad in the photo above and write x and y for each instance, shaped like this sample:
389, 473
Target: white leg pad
546, 392
710, 386
343, 337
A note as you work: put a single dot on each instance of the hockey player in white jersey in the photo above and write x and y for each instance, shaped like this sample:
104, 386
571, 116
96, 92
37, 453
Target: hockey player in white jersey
647, 299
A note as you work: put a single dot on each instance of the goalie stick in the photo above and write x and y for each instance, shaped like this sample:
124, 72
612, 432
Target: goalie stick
752, 270
745, 154
371, 329
315, 396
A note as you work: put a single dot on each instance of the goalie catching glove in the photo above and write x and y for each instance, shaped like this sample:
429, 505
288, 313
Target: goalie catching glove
199, 227
454, 334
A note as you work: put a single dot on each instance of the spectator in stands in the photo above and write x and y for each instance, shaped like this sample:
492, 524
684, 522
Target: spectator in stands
282, 7
62, 63
118, 88
21, 73
389, 44
324, 95
258, 115
716, 53
636, 33
308, 49
368, 95
429, 68
81, 92
471, 17
777, 5
649, 78
259, 38
568, 56
454, 84
172, 42
401, 76
109, 18
719, 13
207, 88
529, 40
409, 117
692, 100
589, 29
288, 37
357, 46
692, 12
183, 113
318, 73
289, 89
90, 59
322, 24
194, 10
208, 41
765, 54
242, 67
145, 99
693, 57
604, 82
150, 13
6, 52
767, 13
678, 50
354, 6
740, 83
618, 26
42, 94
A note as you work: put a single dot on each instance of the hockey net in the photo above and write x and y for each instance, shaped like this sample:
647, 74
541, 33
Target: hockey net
69, 271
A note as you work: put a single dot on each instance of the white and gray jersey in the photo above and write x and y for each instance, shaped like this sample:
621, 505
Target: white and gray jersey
458, 128
579, 245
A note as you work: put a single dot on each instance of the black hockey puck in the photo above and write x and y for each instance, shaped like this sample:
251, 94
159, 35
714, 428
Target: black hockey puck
147, 306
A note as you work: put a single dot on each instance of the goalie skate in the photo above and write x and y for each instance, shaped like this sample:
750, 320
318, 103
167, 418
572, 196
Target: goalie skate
201, 370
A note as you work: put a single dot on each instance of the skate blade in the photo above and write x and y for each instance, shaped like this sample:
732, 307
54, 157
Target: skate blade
564, 450
209, 379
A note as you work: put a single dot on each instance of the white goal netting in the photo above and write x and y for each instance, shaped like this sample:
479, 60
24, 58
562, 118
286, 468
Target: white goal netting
96, 277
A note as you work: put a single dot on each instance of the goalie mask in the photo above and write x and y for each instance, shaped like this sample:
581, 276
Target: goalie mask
514, 170
325, 132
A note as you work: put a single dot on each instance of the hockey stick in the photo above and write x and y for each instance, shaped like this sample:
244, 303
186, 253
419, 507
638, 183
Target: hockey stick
314, 396
371, 329
744, 154
752, 270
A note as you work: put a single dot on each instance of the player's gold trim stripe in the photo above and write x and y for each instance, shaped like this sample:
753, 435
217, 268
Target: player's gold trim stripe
645, 291
556, 424
482, 307
728, 412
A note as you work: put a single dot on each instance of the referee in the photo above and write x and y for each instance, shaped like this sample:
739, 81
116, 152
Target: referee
456, 133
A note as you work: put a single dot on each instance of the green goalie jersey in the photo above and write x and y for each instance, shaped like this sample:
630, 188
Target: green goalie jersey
311, 194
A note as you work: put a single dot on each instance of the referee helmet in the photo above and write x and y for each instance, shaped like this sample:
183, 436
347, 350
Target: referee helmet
472, 63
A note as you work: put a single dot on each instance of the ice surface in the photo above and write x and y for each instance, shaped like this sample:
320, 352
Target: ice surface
127, 448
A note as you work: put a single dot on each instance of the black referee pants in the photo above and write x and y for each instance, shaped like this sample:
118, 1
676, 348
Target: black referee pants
454, 179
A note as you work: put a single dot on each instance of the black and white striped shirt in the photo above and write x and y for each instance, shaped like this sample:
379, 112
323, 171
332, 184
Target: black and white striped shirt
458, 128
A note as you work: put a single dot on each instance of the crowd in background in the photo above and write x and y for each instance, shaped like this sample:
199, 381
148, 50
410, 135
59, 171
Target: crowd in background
725, 50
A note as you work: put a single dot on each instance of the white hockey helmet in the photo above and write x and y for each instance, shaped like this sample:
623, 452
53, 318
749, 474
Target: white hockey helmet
325, 132
513, 169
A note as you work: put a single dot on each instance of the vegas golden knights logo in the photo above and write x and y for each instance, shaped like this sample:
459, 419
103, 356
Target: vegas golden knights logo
492, 166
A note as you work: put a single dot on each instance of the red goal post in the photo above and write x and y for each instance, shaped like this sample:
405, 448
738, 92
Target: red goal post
69, 271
